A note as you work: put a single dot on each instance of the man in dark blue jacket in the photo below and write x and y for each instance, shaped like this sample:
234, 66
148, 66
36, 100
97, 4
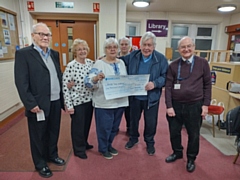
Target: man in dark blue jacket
146, 61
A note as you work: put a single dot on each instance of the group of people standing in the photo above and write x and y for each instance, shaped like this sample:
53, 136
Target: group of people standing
44, 92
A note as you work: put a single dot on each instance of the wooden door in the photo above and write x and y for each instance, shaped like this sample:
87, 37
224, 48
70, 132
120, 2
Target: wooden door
63, 34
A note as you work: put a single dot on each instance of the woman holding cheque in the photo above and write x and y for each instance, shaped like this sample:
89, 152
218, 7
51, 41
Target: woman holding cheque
108, 113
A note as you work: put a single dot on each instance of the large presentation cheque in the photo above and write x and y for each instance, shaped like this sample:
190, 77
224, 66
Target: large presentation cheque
122, 86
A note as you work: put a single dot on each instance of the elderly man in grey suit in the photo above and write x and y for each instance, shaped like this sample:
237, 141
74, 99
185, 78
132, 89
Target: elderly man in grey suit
38, 80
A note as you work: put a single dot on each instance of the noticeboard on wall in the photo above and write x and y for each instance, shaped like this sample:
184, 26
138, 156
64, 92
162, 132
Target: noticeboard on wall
8, 34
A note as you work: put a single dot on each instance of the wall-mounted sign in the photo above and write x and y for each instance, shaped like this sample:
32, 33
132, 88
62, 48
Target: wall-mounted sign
158, 27
221, 69
30, 5
108, 35
64, 4
96, 7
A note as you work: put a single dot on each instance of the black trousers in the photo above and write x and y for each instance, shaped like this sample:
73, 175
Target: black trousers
150, 120
80, 126
190, 116
44, 136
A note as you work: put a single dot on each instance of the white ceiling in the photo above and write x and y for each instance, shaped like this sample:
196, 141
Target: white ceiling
185, 6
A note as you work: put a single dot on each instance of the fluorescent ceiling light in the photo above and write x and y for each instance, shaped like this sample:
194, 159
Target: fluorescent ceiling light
141, 3
226, 8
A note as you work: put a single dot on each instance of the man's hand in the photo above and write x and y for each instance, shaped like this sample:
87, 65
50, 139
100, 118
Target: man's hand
171, 112
149, 86
35, 109
204, 111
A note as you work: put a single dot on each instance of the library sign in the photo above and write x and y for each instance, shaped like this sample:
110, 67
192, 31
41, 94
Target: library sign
158, 27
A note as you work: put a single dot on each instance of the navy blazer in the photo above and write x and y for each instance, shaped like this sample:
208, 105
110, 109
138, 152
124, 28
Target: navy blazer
32, 79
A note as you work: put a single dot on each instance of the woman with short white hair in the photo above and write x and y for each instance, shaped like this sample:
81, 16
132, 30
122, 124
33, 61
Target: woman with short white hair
108, 113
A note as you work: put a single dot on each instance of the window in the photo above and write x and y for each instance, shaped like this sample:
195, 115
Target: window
203, 36
132, 29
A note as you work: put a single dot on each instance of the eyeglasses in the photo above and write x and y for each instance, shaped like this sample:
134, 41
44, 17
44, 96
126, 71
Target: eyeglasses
42, 35
186, 47
112, 47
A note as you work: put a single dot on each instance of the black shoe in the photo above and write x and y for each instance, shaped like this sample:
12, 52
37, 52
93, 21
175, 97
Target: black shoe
150, 150
58, 161
173, 157
190, 166
81, 156
45, 172
130, 144
88, 146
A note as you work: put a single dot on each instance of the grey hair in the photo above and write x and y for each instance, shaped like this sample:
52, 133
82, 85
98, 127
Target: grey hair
124, 38
35, 26
146, 36
108, 42
183, 38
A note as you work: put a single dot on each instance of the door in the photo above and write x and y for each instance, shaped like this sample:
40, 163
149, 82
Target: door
63, 34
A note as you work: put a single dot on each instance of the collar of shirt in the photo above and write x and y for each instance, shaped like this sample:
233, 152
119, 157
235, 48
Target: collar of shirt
45, 55
146, 59
190, 59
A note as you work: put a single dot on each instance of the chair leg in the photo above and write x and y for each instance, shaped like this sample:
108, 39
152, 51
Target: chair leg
213, 126
236, 157
219, 122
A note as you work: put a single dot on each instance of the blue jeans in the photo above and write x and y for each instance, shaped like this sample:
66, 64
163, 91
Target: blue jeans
107, 124
150, 120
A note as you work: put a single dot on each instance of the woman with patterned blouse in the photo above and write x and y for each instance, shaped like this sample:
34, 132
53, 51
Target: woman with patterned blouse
108, 113
78, 98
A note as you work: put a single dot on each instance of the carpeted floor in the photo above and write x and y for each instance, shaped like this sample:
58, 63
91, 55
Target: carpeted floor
134, 164
15, 147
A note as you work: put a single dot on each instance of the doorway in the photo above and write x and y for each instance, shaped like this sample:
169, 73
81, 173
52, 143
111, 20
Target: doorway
63, 34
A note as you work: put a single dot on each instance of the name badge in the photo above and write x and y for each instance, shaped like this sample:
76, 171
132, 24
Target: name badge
177, 86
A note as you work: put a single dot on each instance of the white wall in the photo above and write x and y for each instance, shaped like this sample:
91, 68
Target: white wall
235, 19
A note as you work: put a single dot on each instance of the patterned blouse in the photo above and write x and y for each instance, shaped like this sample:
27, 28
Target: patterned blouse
79, 93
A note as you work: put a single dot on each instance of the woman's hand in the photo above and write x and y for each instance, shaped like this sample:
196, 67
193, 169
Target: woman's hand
98, 77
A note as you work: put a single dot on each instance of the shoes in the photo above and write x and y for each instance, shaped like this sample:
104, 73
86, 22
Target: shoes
130, 144
150, 150
45, 172
113, 151
88, 146
58, 161
107, 155
190, 166
81, 156
173, 157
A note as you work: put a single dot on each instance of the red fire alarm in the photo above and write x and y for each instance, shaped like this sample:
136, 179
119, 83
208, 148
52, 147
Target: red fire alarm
96, 7
30, 5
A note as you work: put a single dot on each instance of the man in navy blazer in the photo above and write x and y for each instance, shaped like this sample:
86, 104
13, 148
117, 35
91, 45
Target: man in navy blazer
38, 79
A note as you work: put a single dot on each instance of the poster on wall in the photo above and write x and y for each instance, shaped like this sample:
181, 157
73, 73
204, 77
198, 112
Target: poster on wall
11, 22
4, 19
7, 38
